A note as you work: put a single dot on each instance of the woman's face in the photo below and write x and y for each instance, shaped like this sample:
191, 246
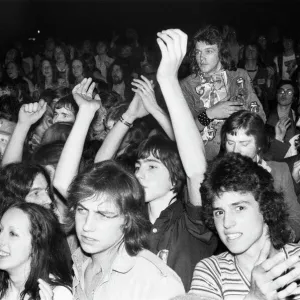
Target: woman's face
12, 71
15, 242
39, 192
251, 52
11, 55
77, 68
46, 68
101, 48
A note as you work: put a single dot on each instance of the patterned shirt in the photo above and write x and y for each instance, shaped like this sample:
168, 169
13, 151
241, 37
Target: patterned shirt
219, 277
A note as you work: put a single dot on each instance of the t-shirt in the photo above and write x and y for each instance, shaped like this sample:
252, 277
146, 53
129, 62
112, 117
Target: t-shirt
219, 277
288, 66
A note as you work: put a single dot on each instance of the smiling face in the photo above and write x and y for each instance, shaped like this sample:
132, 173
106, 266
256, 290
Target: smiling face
207, 57
39, 192
99, 224
242, 143
154, 176
46, 68
15, 242
239, 222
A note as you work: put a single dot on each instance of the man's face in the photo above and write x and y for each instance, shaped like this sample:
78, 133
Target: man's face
155, 178
285, 95
59, 55
239, 222
101, 48
117, 74
207, 57
242, 143
99, 225
12, 70
250, 53
63, 115
288, 44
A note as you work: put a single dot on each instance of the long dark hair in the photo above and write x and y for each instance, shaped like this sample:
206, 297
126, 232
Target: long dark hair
16, 180
110, 178
48, 256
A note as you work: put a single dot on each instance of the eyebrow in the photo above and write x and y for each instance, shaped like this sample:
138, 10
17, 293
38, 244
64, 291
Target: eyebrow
233, 204
148, 160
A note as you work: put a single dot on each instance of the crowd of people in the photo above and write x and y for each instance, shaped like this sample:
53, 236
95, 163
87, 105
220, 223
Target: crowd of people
153, 172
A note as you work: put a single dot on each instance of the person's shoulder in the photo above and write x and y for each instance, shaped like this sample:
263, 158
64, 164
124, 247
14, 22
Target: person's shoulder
282, 166
157, 264
189, 79
62, 292
292, 249
217, 261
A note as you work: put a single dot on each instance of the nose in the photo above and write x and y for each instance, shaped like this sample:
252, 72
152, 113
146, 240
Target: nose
140, 174
236, 148
229, 220
89, 223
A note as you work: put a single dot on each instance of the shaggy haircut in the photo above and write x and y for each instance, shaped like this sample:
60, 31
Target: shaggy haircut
211, 36
251, 122
166, 151
236, 173
110, 179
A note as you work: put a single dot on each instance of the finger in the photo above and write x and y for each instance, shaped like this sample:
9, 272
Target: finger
91, 89
42, 102
176, 47
162, 46
86, 86
264, 253
280, 268
140, 84
183, 40
167, 39
76, 88
289, 290
270, 263
148, 83
97, 97
81, 86
45, 286
35, 106
287, 279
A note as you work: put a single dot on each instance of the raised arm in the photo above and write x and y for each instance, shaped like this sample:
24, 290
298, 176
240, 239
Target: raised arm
69, 161
172, 44
145, 90
28, 115
116, 135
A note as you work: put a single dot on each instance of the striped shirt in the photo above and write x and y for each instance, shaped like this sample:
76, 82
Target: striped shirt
219, 277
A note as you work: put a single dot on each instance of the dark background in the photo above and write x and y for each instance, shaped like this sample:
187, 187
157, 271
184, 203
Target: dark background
77, 20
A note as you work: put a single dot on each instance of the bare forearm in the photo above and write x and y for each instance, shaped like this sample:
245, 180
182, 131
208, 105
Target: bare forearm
69, 161
188, 138
14, 149
164, 121
113, 140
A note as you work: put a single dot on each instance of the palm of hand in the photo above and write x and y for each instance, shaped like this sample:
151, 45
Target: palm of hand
83, 99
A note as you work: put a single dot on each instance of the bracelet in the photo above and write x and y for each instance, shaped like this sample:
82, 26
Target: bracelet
204, 119
125, 122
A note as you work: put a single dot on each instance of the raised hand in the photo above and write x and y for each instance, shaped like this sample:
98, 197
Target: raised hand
273, 278
172, 44
83, 95
281, 127
46, 292
136, 109
145, 90
32, 112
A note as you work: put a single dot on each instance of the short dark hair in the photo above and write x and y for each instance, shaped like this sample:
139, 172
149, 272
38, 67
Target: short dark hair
237, 173
211, 35
67, 102
166, 151
110, 178
251, 122
48, 255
